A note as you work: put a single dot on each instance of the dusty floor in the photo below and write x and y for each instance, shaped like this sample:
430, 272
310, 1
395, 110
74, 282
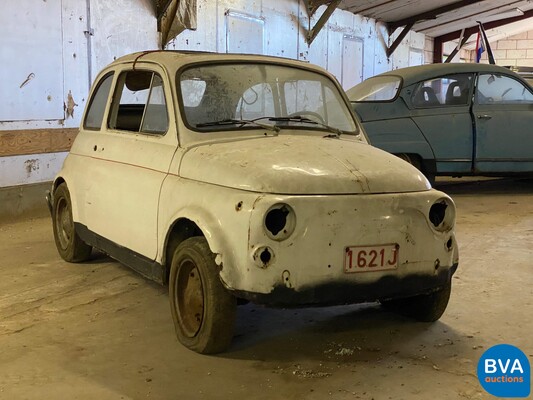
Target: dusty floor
100, 331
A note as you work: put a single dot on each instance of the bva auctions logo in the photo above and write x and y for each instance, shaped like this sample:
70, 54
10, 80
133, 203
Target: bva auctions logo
504, 371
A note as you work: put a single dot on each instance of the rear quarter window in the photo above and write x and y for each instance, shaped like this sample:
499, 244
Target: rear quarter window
97, 104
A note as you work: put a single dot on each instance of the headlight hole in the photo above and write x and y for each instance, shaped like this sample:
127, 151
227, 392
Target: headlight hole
279, 222
437, 213
276, 220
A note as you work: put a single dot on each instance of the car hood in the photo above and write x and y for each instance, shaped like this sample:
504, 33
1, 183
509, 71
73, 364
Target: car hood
290, 164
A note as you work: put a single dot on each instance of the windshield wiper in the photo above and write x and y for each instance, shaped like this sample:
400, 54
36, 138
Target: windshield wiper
240, 122
304, 120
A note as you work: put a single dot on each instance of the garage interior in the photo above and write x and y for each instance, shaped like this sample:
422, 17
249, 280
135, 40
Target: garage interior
99, 330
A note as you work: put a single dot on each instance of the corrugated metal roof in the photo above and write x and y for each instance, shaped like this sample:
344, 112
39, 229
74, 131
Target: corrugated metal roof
439, 17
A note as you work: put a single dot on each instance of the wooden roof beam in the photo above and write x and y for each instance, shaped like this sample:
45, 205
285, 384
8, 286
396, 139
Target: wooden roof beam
432, 14
488, 25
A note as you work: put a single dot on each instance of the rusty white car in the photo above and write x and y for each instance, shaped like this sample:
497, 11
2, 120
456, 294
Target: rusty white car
247, 177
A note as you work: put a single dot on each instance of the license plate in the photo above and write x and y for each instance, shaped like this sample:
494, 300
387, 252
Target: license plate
371, 258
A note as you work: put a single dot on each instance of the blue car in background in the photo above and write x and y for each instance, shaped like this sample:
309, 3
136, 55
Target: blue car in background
450, 119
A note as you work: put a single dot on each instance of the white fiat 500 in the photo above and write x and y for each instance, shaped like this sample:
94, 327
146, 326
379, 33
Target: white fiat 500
247, 177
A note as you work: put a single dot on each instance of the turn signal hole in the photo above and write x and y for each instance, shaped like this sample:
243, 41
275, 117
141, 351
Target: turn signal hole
265, 256
449, 244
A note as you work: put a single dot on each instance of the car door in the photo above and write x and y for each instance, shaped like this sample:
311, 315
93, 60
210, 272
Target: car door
130, 159
503, 112
441, 110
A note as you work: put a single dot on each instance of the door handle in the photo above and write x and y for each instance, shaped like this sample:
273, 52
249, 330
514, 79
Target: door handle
484, 116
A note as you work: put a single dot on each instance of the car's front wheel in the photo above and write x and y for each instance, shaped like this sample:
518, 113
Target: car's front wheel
425, 308
69, 245
203, 310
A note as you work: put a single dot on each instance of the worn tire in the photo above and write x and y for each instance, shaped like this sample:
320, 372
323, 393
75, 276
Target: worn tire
69, 245
416, 162
424, 308
203, 310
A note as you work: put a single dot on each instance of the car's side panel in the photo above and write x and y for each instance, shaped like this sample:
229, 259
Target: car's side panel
398, 136
222, 214
501, 149
121, 174
449, 132
126, 173
503, 111
378, 111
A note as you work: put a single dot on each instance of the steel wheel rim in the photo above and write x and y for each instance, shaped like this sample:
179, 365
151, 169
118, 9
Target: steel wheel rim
64, 225
189, 298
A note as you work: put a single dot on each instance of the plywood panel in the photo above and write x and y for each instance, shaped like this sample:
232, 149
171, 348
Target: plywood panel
36, 141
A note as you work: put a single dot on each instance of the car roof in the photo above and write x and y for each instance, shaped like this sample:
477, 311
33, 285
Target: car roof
411, 75
174, 59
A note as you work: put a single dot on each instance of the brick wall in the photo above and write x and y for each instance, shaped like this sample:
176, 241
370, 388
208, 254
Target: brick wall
515, 50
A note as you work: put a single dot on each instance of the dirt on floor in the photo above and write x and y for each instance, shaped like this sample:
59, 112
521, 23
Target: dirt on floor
100, 331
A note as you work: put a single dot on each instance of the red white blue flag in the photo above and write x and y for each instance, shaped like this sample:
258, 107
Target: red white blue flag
480, 45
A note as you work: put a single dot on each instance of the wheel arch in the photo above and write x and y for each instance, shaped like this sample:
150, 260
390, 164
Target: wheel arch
58, 181
191, 224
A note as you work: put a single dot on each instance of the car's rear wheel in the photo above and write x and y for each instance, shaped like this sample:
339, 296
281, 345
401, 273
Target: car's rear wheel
203, 310
69, 245
416, 162
425, 308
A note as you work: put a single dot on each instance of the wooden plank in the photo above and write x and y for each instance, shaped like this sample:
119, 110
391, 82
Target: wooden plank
36, 141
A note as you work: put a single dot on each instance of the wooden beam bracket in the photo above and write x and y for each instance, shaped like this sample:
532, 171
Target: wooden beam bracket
313, 33
392, 48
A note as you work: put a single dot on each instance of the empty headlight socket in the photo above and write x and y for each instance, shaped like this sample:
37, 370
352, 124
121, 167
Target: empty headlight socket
279, 222
442, 215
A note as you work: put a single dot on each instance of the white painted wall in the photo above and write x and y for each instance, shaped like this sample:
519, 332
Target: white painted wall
227, 26
50, 40
94, 32
20, 170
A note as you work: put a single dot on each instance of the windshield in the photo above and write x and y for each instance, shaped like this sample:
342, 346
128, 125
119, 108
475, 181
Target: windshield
379, 88
219, 97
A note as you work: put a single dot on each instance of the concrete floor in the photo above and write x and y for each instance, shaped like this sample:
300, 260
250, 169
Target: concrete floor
100, 331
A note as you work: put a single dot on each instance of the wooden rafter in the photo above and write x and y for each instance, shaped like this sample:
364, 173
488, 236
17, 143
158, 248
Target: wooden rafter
432, 14
487, 25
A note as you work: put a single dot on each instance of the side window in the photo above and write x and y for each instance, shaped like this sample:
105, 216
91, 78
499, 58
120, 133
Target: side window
451, 90
501, 89
256, 102
95, 114
139, 103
